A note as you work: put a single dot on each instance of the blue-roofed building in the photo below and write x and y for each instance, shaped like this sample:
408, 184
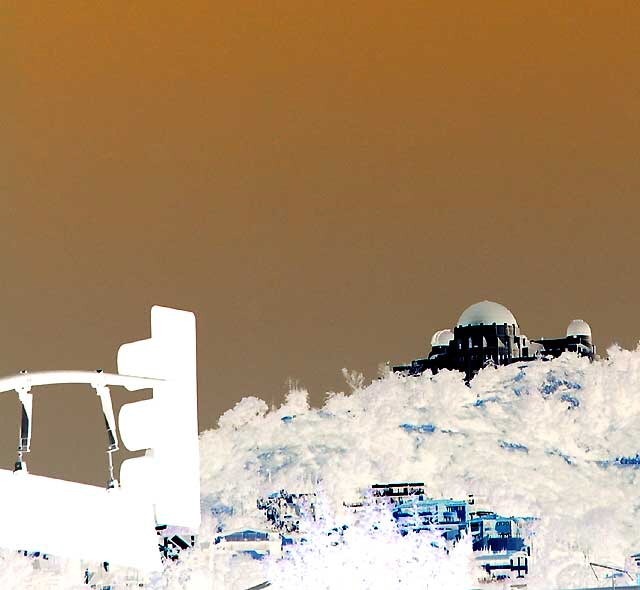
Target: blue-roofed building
253, 543
500, 543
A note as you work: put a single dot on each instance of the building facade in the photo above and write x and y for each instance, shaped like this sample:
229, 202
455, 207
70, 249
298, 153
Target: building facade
487, 334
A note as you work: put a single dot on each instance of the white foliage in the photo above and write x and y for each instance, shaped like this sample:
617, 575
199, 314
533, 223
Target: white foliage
246, 411
371, 554
538, 440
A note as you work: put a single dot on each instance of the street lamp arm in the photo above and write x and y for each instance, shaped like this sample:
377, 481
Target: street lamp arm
27, 380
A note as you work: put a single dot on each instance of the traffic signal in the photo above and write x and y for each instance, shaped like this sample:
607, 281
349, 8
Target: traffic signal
167, 424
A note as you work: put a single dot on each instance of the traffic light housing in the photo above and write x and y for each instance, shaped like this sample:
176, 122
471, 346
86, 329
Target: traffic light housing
167, 424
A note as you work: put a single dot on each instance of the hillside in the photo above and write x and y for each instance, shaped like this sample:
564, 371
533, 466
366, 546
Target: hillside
554, 440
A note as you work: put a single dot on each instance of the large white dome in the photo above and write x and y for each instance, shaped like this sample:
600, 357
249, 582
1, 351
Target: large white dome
487, 313
579, 328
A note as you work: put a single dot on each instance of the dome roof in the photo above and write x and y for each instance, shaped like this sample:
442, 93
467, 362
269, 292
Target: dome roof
486, 312
442, 338
579, 328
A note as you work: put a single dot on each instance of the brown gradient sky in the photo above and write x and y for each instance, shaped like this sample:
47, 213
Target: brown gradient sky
324, 183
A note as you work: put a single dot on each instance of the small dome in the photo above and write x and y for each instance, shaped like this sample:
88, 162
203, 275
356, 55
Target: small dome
579, 328
486, 312
442, 338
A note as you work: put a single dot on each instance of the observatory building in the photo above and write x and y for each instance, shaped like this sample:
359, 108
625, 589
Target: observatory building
487, 334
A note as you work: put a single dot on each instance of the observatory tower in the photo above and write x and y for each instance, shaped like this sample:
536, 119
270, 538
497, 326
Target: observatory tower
487, 333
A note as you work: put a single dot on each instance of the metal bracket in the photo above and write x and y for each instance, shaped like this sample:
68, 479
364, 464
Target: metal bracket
26, 402
104, 394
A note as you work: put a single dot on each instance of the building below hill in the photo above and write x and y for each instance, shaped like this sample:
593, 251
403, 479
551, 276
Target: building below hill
487, 334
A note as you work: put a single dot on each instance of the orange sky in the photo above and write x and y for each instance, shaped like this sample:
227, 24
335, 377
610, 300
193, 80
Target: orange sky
324, 184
